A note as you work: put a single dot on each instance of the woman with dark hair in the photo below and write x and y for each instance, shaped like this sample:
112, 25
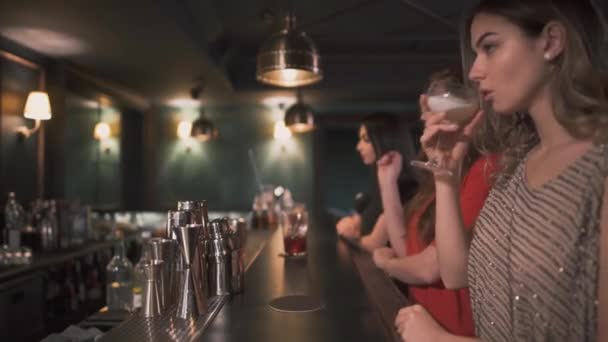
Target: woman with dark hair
537, 265
378, 134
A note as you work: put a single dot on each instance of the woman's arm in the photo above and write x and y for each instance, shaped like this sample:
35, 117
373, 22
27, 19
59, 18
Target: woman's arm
451, 237
377, 238
389, 167
459, 211
602, 321
419, 269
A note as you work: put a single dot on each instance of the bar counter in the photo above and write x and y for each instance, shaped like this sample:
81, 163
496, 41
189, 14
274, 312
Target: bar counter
357, 301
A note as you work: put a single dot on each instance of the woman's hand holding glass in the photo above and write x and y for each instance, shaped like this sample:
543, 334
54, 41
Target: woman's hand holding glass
447, 133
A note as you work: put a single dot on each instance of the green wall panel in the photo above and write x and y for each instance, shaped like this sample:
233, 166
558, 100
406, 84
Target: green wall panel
220, 170
17, 155
93, 172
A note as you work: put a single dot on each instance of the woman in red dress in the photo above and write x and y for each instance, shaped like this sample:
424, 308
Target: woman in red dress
412, 257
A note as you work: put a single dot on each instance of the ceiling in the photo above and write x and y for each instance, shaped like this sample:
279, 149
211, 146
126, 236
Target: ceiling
373, 51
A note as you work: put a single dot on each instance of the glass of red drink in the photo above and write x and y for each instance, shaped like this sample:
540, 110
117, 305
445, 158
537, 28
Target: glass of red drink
294, 224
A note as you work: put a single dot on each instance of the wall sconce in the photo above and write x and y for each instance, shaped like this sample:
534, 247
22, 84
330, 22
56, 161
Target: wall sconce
101, 131
299, 117
37, 107
281, 132
183, 129
203, 129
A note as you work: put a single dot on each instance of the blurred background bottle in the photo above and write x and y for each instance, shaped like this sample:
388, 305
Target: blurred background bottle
119, 281
14, 219
139, 279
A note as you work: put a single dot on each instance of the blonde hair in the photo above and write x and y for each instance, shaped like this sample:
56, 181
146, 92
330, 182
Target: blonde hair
579, 84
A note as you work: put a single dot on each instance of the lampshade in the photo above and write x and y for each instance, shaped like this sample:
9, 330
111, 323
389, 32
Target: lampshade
184, 129
299, 117
289, 58
281, 132
101, 131
37, 106
203, 129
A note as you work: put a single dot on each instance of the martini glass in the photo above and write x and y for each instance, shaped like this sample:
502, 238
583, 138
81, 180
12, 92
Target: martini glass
459, 104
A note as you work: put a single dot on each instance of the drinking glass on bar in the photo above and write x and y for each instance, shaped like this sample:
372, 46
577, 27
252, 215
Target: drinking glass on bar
294, 224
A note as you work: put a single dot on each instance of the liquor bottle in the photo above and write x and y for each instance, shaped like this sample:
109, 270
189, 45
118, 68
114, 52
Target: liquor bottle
119, 281
139, 279
14, 217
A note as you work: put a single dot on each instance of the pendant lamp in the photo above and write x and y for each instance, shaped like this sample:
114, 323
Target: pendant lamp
289, 58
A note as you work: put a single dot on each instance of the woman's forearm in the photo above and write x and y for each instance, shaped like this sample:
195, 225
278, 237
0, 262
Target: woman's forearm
377, 238
450, 235
394, 217
419, 269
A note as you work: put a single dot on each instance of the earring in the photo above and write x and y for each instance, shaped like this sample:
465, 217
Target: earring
547, 55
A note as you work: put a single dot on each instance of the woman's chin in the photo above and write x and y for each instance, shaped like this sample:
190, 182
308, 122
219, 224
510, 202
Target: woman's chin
503, 109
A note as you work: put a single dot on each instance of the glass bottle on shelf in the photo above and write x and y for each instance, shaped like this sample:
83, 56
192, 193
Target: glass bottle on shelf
14, 218
119, 280
139, 279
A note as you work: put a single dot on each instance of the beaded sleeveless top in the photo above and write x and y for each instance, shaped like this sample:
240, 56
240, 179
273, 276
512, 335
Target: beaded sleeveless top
533, 262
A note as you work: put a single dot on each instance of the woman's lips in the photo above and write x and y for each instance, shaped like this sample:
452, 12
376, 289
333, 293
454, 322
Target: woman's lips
487, 95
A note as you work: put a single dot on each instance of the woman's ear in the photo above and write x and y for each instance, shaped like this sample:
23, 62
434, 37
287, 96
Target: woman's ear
554, 40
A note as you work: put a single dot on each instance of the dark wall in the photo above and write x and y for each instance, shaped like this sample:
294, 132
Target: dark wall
132, 159
343, 173
93, 168
220, 171
17, 155
75, 165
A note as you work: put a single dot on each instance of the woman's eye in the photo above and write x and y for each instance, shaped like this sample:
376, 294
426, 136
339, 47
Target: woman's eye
489, 48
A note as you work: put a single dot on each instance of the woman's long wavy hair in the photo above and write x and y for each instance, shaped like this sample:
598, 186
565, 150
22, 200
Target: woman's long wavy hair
579, 83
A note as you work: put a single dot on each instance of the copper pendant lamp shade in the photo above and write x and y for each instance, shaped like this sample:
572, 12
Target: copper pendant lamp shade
289, 58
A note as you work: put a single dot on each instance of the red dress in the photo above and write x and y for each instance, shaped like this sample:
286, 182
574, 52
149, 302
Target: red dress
452, 308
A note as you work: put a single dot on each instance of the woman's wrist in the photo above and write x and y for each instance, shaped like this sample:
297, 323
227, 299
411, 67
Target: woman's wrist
451, 178
387, 183
387, 267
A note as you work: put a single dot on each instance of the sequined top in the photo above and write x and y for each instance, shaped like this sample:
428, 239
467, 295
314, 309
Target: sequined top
533, 262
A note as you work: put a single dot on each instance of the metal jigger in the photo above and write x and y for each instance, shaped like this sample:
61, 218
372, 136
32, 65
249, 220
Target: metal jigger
192, 300
152, 305
220, 262
165, 250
